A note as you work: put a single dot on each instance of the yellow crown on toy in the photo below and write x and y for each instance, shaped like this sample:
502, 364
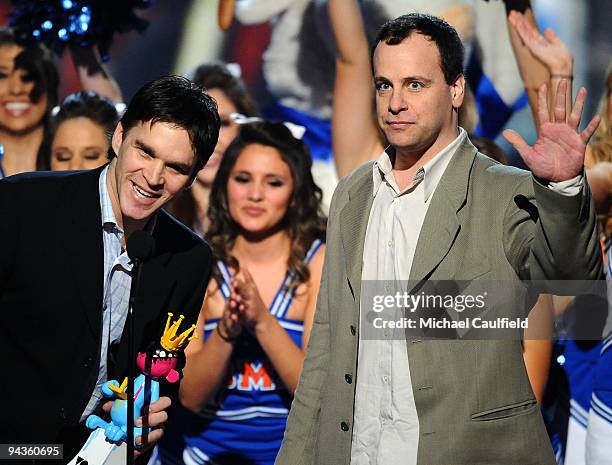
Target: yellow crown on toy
170, 341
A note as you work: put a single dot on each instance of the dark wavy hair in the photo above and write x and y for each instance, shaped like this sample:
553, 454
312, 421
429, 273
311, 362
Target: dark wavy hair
90, 105
178, 101
304, 220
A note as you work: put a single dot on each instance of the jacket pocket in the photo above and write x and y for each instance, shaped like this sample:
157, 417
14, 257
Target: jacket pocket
506, 411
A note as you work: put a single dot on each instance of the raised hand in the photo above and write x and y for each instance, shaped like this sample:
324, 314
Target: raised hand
547, 48
558, 153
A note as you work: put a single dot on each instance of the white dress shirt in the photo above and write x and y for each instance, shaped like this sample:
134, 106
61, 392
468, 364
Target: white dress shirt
385, 425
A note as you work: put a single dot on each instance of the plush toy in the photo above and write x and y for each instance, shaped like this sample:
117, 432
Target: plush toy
157, 363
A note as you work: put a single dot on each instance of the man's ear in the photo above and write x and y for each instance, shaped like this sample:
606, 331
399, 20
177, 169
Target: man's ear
117, 138
458, 91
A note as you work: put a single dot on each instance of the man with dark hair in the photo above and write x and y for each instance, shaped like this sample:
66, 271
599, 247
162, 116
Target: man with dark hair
450, 48
65, 275
432, 208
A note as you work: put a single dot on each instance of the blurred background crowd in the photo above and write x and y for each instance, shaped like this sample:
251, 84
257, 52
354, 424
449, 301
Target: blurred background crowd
306, 62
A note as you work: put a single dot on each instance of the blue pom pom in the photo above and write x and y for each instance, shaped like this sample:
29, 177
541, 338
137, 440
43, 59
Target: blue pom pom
67, 4
47, 25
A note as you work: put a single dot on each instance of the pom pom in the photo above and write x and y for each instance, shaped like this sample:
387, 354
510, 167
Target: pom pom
83, 23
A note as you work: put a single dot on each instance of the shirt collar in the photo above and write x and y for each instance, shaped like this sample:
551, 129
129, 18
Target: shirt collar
108, 216
431, 172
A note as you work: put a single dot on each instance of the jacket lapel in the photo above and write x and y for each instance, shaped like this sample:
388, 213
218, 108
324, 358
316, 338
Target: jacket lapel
439, 230
154, 292
82, 240
441, 224
354, 222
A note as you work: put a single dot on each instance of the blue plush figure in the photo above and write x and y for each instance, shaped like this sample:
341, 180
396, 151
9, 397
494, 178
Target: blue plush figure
116, 429
153, 365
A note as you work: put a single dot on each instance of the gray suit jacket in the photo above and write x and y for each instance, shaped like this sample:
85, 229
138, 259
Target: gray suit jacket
473, 398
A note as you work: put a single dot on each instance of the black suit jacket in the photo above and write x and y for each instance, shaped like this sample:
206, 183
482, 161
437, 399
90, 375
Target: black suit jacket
51, 283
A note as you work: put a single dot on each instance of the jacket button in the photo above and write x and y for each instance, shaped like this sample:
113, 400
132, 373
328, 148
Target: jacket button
353, 330
87, 363
344, 426
62, 413
348, 378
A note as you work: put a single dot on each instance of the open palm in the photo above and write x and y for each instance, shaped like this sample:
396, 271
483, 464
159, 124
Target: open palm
558, 153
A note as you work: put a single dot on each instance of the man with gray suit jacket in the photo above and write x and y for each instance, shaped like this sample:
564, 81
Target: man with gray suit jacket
433, 208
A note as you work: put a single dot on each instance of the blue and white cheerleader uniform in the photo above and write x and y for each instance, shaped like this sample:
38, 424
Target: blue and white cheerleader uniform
246, 422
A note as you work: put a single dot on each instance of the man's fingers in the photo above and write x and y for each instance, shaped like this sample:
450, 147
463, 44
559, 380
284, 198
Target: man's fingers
576, 114
156, 414
559, 110
107, 405
517, 142
590, 129
543, 105
152, 437
153, 419
163, 403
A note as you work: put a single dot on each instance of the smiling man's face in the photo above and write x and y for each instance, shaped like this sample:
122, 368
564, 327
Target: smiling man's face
154, 163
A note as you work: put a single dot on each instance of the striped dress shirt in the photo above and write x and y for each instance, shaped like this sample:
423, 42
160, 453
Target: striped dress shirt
116, 291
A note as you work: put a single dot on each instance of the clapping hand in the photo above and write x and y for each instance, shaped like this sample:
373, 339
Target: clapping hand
252, 309
230, 324
558, 153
